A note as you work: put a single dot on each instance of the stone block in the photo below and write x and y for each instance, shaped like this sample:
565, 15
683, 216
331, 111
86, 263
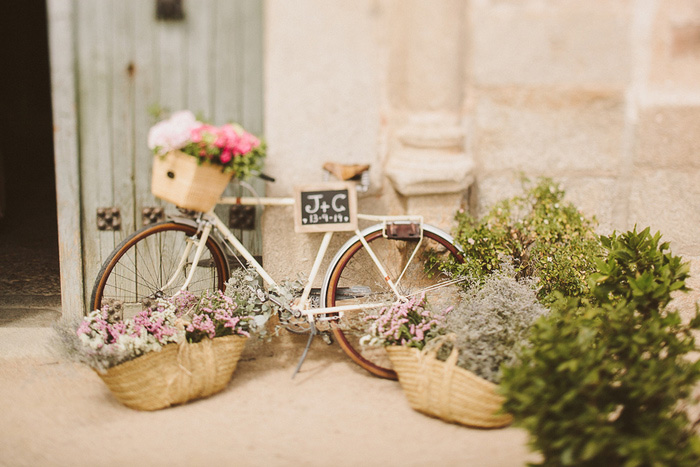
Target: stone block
685, 301
548, 42
437, 210
549, 131
322, 89
416, 172
668, 201
490, 189
668, 137
675, 46
594, 197
425, 65
285, 253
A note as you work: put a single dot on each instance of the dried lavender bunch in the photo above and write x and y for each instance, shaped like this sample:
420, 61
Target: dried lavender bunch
101, 340
411, 323
216, 315
491, 322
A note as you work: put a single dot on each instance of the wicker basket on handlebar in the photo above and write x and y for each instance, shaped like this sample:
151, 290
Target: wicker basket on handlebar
176, 374
446, 391
182, 180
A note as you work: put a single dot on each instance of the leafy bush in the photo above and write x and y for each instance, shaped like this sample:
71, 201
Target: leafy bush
491, 321
541, 234
605, 384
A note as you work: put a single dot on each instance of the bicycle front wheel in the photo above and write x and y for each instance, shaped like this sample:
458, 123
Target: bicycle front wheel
152, 264
354, 279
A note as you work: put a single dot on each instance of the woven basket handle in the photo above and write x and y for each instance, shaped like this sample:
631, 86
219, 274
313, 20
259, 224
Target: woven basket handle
433, 347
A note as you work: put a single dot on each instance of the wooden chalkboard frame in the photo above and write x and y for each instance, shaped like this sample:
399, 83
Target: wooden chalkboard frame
350, 225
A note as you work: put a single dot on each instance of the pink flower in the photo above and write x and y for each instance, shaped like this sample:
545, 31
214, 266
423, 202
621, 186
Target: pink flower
229, 132
202, 323
247, 143
84, 328
226, 155
195, 135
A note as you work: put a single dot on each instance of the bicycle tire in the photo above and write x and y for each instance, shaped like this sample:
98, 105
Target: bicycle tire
137, 269
353, 270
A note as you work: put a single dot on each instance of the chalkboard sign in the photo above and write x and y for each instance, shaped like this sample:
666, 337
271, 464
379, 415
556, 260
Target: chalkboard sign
330, 207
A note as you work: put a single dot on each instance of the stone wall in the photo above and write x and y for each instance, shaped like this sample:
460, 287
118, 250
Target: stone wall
450, 101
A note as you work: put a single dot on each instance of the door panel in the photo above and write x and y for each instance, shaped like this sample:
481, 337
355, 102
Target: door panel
129, 63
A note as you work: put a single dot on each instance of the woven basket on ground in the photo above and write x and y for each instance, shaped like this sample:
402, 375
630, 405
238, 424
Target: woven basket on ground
176, 374
179, 178
444, 390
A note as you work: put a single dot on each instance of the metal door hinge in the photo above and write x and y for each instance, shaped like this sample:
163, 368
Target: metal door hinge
151, 215
241, 217
109, 218
169, 10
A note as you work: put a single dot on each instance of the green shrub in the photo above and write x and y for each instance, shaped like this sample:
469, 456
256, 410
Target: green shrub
491, 321
541, 234
606, 384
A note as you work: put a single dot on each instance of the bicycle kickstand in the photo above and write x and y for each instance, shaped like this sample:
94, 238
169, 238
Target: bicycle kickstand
312, 334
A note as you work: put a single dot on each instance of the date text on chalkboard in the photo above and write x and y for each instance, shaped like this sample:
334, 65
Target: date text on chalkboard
324, 209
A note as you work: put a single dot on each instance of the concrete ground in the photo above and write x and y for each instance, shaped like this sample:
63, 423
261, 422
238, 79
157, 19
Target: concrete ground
57, 413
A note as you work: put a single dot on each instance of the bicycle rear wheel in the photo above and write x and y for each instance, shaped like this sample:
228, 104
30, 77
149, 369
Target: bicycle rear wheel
354, 279
140, 268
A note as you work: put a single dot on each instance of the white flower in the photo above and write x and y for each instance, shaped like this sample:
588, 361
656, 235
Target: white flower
470, 241
173, 133
260, 320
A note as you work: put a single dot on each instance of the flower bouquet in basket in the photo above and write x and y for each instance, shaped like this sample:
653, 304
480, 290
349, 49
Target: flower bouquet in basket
435, 361
216, 331
194, 161
136, 358
172, 352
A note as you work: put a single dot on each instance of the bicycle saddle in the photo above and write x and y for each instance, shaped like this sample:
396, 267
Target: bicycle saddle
345, 171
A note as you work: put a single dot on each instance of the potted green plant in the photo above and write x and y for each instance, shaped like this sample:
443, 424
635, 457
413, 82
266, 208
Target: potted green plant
412, 335
491, 321
136, 358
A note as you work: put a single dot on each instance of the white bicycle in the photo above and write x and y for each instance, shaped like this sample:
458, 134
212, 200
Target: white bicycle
393, 259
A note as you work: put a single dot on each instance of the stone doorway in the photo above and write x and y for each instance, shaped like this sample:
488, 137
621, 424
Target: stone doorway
30, 293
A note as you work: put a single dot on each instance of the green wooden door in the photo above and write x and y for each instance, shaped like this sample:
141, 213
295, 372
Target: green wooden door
128, 63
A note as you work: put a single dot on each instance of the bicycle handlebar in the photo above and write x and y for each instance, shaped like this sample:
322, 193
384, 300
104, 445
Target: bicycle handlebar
265, 177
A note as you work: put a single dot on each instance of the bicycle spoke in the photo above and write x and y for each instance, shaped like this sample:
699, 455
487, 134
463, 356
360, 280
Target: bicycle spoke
144, 263
437, 286
403, 260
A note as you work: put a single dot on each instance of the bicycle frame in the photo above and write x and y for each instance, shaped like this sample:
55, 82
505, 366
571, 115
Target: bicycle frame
211, 220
